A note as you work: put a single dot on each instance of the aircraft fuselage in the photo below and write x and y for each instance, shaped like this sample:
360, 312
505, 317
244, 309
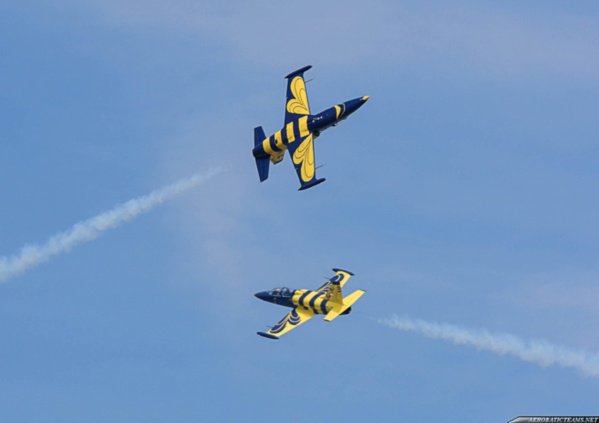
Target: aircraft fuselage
305, 125
314, 301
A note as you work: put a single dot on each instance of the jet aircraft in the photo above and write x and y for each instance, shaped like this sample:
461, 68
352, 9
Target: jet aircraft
300, 130
306, 304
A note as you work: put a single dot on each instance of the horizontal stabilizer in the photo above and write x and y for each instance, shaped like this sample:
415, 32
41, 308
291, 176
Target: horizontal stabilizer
331, 315
259, 136
352, 298
262, 163
341, 308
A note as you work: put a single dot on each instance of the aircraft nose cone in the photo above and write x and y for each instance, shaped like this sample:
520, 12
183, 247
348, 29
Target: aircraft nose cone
365, 98
262, 295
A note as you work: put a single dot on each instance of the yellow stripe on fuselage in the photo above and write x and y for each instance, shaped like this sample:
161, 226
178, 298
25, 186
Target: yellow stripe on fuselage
266, 146
279, 140
308, 298
289, 132
318, 305
312, 297
297, 295
302, 298
303, 126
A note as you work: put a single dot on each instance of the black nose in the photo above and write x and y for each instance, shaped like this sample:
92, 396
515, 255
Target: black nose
262, 295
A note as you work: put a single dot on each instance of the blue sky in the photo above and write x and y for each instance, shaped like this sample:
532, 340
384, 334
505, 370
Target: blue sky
463, 192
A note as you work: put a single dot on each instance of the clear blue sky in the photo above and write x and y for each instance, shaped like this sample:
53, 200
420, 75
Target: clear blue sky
464, 191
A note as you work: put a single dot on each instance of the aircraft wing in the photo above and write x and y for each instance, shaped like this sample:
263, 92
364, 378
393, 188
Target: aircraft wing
302, 156
296, 105
300, 139
293, 319
341, 276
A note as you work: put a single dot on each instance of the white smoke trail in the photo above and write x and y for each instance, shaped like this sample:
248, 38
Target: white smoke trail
90, 229
540, 352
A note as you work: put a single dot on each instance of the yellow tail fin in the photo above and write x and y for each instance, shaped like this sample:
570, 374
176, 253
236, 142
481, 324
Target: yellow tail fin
334, 295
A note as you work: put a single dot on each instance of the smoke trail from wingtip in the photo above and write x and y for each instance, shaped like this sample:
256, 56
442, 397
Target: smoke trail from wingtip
540, 352
90, 229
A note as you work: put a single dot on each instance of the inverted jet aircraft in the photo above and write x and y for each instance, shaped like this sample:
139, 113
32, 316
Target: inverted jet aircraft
300, 130
306, 304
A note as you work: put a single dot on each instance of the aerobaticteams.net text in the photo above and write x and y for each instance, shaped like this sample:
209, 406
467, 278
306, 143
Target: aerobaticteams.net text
556, 419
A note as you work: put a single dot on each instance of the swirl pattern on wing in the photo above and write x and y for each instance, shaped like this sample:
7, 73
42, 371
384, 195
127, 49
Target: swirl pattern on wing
292, 318
305, 155
299, 103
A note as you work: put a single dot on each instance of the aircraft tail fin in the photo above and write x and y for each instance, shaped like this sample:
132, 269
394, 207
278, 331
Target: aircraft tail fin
262, 163
334, 294
340, 304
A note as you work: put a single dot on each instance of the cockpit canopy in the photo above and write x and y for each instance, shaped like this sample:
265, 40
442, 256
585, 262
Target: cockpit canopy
283, 292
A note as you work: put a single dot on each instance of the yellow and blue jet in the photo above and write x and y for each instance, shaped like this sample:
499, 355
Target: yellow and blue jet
300, 130
306, 304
